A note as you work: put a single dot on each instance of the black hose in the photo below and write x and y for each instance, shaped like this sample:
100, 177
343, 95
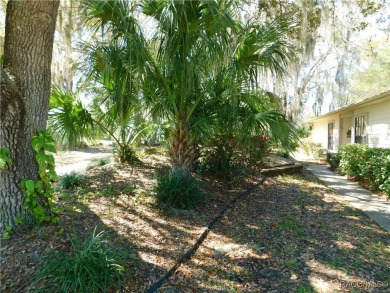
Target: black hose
202, 237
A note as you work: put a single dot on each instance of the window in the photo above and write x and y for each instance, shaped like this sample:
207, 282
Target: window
360, 129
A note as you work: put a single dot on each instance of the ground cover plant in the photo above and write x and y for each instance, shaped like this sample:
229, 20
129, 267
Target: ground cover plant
292, 234
90, 266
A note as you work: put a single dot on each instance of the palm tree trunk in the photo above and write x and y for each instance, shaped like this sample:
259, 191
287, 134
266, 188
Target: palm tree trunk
182, 151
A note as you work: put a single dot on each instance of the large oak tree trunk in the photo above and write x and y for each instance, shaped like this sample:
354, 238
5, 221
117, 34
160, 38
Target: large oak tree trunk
24, 100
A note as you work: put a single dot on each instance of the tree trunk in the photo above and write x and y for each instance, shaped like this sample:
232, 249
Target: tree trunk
182, 152
24, 100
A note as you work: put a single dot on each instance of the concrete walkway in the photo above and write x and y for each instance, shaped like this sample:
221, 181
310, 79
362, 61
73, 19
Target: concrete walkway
371, 204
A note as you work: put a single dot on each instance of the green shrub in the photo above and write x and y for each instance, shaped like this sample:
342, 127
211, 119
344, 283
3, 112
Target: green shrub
229, 159
319, 152
258, 148
218, 161
352, 159
103, 162
333, 159
372, 164
177, 188
91, 266
71, 180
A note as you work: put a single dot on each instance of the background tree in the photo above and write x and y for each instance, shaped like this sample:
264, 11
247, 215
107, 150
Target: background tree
25, 89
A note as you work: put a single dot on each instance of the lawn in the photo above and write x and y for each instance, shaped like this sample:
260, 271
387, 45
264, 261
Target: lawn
290, 234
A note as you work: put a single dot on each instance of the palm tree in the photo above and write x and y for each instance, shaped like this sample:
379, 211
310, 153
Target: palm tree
115, 69
207, 58
69, 121
202, 63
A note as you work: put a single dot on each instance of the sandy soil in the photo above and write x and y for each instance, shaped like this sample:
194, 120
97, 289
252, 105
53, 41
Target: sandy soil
78, 160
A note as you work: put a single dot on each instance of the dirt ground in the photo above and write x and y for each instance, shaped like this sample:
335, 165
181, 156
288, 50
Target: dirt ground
291, 234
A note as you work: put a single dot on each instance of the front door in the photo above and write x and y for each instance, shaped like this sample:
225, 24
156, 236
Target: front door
330, 136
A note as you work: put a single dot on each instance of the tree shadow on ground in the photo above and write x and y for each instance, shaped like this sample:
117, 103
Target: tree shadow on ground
292, 235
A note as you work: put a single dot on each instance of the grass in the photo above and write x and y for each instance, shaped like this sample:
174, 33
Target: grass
91, 266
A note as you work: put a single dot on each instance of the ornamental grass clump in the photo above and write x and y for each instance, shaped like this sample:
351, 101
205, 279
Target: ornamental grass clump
91, 266
177, 188
71, 180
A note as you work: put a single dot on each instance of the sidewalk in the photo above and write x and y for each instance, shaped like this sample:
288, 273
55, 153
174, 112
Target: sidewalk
371, 204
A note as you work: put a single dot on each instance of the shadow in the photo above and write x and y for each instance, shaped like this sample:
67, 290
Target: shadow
290, 235
76, 220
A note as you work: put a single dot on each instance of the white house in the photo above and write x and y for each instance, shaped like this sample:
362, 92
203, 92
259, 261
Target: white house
365, 122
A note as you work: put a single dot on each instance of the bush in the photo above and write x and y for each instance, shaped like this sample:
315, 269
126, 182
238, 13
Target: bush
229, 159
372, 164
333, 159
71, 180
259, 148
177, 188
218, 161
319, 152
91, 266
352, 159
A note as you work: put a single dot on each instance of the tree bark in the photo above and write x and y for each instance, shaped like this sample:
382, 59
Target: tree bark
24, 100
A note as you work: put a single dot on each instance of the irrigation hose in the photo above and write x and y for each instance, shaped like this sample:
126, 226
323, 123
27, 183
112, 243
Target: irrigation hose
202, 237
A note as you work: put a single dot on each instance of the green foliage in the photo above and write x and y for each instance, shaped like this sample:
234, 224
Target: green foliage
352, 158
282, 153
372, 164
5, 158
219, 161
6, 233
333, 159
259, 147
318, 151
103, 162
303, 131
39, 194
228, 158
69, 121
127, 155
71, 180
177, 188
91, 266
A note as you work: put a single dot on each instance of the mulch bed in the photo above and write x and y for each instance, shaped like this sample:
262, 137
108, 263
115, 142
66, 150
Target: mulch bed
291, 234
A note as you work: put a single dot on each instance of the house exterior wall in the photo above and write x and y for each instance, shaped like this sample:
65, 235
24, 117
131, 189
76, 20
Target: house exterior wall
378, 124
319, 133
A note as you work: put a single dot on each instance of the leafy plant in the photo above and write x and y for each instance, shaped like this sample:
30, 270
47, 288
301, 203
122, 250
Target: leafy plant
178, 188
6, 233
333, 159
219, 160
91, 266
71, 180
39, 194
5, 158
